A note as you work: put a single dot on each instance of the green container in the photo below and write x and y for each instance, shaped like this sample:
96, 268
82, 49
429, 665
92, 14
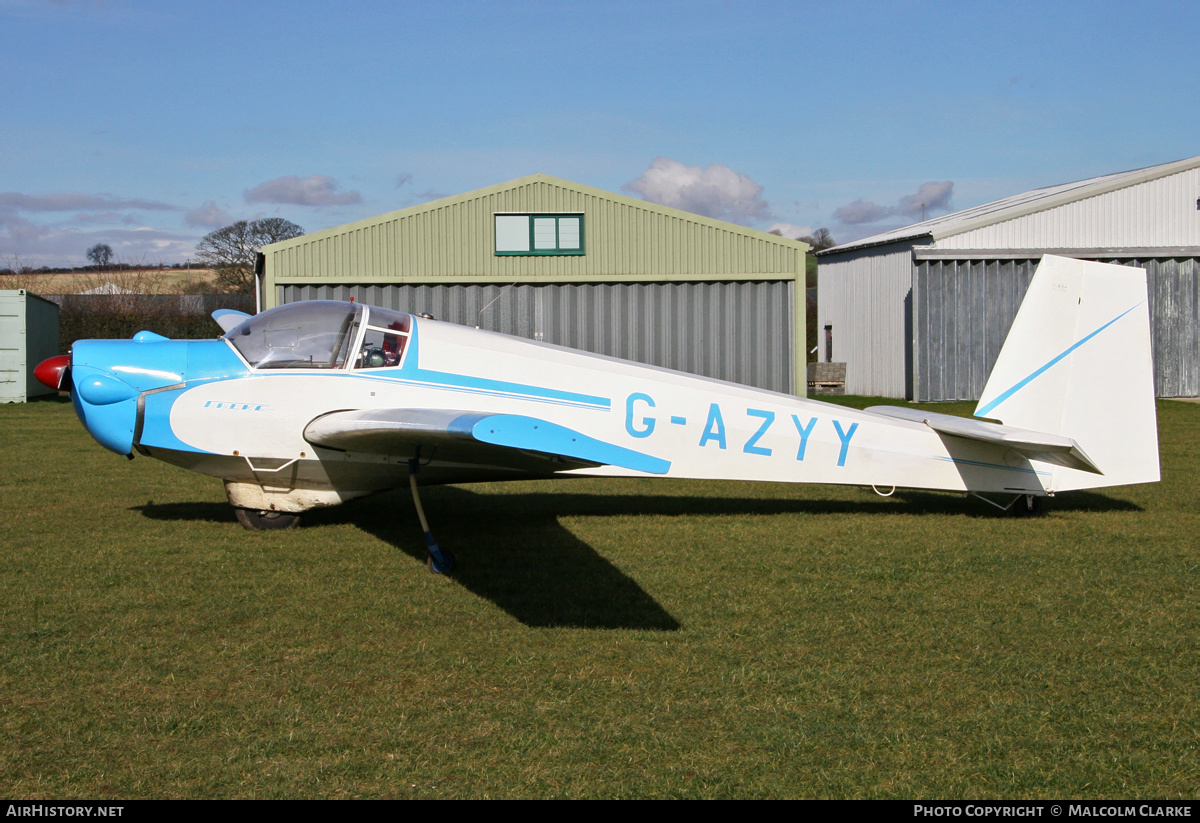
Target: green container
28, 335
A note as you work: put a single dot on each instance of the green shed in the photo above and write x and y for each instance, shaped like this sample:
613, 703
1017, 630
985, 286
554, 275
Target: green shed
28, 335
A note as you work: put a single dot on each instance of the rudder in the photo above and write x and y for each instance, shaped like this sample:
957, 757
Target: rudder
1077, 363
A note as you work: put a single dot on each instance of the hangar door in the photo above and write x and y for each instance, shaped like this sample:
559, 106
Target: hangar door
962, 311
739, 331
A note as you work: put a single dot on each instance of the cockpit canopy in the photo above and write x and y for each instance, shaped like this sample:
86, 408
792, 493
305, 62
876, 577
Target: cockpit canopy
322, 334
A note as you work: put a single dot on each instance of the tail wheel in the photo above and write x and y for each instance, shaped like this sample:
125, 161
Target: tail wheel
1027, 505
255, 520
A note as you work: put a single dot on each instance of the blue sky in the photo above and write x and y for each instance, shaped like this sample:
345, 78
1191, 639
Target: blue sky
146, 125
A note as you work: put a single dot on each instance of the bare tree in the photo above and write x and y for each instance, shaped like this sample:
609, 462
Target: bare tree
820, 240
230, 251
100, 255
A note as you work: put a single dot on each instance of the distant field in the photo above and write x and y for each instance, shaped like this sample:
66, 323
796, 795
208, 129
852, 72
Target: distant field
152, 281
602, 638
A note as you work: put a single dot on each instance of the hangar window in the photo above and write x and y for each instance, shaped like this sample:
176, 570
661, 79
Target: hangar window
533, 234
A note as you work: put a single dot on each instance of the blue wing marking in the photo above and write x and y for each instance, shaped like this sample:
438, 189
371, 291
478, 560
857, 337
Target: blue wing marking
520, 432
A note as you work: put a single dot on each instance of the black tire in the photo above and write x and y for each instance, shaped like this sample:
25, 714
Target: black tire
1027, 505
255, 520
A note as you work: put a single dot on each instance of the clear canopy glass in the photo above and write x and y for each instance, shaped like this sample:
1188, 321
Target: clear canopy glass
321, 334
311, 334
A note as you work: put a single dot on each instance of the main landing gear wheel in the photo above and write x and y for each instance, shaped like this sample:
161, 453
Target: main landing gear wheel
1027, 505
255, 520
444, 567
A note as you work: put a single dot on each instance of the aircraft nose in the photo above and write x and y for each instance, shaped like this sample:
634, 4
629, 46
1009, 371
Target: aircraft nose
52, 372
108, 376
104, 403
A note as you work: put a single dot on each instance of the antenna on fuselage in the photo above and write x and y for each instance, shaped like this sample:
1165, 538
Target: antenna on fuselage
493, 300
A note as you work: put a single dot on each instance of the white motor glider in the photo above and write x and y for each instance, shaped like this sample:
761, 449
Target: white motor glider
314, 403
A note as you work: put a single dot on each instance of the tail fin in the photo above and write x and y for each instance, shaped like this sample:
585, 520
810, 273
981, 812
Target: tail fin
1077, 363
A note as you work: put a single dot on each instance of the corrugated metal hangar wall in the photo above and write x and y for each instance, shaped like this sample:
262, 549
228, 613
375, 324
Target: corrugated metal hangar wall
963, 309
739, 331
566, 264
863, 298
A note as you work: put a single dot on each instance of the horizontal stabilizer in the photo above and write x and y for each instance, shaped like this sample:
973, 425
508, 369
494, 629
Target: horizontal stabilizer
497, 439
1048, 448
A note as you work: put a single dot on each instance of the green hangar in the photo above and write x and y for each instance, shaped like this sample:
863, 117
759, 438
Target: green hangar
571, 265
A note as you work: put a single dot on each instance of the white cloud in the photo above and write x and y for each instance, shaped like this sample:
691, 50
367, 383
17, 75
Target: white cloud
64, 244
16, 232
789, 231
714, 191
77, 202
861, 211
208, 216
318, 190
104, 217
930, 197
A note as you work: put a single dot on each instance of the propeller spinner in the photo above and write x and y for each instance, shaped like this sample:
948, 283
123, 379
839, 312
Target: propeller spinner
55, 372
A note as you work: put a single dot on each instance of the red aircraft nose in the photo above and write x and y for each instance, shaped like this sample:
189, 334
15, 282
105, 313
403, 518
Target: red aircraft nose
50, 372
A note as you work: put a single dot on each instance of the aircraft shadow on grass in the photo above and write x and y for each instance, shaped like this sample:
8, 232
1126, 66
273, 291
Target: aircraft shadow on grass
513, 550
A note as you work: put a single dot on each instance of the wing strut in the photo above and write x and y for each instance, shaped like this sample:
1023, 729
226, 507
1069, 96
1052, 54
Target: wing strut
440, 562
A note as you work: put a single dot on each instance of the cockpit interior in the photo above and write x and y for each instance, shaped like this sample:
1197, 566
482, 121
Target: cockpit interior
323, 334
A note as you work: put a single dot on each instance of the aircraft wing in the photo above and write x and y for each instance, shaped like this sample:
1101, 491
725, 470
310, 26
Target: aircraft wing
508, 440
1049, 448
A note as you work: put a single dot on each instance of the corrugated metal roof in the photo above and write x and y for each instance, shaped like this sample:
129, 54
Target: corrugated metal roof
1017, 205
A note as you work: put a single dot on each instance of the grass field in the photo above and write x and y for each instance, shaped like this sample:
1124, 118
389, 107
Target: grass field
603, 638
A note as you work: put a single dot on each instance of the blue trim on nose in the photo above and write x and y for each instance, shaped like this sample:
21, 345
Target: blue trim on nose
209, 360
110, 375
99, 388
145, 365
110, 425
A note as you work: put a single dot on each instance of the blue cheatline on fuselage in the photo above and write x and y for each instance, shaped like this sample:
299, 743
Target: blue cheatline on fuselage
410, 371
